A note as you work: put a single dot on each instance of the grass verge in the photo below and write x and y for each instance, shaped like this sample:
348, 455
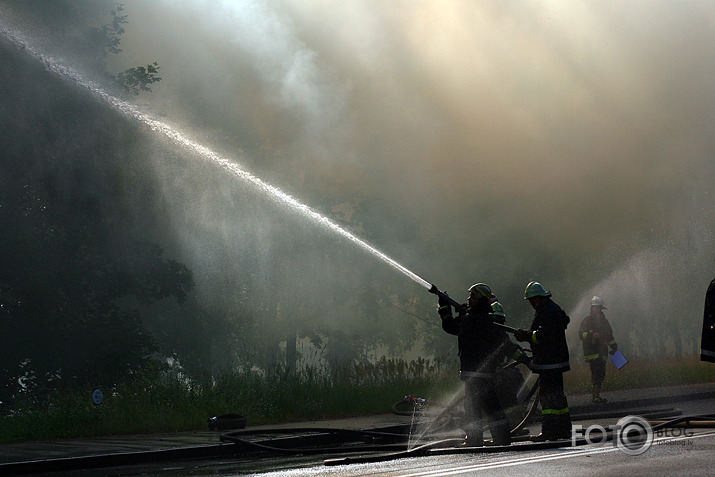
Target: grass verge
641, 373
173, 403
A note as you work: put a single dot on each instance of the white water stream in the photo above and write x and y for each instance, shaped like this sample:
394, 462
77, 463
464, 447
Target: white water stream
54, 65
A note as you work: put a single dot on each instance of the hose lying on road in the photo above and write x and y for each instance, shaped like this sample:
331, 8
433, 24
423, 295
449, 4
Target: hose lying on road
396, 444
396, 447
394, 440
437, 447
702, 421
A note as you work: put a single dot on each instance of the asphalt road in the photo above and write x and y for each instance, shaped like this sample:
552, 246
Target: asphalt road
681, 452
688, 451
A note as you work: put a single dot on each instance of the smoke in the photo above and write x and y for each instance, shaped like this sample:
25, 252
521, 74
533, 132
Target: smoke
472, 141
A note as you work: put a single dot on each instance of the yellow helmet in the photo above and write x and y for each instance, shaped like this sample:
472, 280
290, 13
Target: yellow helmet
535, 289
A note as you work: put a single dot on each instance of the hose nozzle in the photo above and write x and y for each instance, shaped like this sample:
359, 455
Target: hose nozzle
441, 294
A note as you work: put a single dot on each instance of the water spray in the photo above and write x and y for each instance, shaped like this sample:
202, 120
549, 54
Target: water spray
132, 112
54, 65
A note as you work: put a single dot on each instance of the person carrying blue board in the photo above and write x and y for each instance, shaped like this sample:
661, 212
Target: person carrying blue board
596, 336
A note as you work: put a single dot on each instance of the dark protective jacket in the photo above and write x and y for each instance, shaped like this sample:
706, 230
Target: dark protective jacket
707, 345
596, 348
482, 345
548, 339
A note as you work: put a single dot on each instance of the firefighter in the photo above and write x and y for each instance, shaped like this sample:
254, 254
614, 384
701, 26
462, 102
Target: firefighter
597, 337
550, 354
482, 346
707, 345
509, 381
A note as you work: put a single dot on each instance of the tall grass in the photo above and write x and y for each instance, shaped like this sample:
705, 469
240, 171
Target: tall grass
171, 402
641, 373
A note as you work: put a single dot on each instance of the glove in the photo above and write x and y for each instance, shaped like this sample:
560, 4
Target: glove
613, 350
445, 307
522, 335
523, 359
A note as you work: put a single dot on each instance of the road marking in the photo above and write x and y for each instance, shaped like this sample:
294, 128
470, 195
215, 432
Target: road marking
545, 458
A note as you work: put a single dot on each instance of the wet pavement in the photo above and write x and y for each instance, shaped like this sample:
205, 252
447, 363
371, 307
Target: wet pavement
620, 402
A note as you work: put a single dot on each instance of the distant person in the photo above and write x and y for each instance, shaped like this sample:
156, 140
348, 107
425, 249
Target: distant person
550, 353
482, 346
597, 336
707, 345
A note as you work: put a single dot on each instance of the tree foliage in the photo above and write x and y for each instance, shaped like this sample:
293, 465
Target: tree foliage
108, 36
133, 80
137, 79
77, 269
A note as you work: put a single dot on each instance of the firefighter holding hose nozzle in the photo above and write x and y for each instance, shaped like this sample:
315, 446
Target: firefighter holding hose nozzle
482, 346
550, 353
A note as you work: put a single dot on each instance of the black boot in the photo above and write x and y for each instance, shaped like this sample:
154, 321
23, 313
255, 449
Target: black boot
474, 439
501, 435
554, 428
565, 426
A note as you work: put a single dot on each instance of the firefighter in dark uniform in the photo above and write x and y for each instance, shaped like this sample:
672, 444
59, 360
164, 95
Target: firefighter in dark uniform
509, 381
707, 345
550, 354
597, 337
482, 346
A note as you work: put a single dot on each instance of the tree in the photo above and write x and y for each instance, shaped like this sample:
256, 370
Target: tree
76, 269
108, 36
67, 312
137, 79
69, 21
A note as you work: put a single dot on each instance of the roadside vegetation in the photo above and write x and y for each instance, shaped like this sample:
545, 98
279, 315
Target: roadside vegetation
173, 402
641, 373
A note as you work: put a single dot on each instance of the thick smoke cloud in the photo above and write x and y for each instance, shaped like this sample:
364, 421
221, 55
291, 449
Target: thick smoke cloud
564, 142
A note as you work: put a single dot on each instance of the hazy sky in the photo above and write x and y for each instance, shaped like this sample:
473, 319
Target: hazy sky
581, 122
580, 133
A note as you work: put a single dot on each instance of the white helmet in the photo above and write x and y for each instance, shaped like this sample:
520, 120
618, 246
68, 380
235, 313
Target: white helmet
597, 301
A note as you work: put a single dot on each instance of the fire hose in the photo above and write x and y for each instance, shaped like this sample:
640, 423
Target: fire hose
460, 307
439, 447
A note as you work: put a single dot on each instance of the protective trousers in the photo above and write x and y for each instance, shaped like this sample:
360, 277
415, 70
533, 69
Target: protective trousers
480, 403
598, 370
556, 420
